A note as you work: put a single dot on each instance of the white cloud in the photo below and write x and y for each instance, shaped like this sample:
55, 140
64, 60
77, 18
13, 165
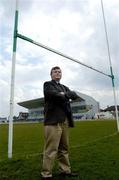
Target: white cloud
73, 27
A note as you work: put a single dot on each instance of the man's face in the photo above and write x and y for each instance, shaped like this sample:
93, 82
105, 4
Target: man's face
56, 74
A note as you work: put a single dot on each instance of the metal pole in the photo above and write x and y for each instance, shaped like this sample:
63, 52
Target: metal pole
59, 53
112, 75
10, 134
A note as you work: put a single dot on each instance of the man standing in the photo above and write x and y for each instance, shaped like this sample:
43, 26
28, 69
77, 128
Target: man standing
57, 118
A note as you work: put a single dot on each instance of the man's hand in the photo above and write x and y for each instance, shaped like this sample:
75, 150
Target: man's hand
62, 93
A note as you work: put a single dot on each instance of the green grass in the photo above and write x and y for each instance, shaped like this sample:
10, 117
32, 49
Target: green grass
94, 151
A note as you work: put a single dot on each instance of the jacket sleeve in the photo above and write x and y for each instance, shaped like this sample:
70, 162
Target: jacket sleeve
71, 94
51, 93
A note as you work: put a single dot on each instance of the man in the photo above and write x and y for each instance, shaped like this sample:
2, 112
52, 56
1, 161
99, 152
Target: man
57, 118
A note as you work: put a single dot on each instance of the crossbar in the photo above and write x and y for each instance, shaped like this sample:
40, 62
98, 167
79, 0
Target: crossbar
60, 53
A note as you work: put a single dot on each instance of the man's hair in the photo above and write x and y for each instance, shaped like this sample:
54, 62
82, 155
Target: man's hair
53, 68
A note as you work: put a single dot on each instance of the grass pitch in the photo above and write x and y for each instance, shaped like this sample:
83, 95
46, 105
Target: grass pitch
94, 151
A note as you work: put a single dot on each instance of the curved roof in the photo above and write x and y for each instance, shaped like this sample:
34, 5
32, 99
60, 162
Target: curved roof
85, 97
33, 103
36, 103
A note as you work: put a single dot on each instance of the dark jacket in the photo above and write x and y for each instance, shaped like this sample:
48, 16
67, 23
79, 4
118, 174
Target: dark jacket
57, 106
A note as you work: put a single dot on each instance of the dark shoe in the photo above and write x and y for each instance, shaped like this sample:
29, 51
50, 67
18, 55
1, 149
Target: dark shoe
72, 174
47, 178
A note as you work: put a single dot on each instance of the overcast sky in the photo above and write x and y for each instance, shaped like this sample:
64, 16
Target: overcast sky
74, 27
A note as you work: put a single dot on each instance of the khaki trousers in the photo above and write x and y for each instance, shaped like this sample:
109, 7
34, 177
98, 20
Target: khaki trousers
56, 144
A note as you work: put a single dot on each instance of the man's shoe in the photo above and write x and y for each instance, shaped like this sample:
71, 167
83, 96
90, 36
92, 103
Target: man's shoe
72, 174
47, 178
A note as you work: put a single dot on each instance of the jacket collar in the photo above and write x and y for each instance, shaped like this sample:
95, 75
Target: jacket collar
56, 82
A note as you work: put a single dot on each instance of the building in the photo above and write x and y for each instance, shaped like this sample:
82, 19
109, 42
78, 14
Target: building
111, 109
3, 120
85, 107
23, 116
104, 115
